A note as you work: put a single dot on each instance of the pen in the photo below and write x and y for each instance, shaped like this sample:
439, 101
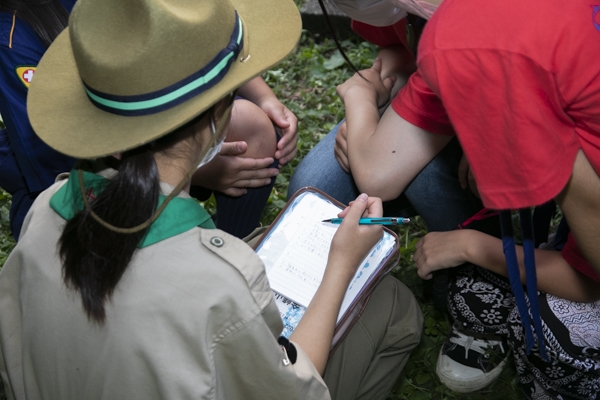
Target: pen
373, 221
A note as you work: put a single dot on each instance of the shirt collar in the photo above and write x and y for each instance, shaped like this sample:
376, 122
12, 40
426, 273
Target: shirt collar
181, 214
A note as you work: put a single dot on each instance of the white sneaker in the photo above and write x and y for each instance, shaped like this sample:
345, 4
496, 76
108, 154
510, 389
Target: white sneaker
466, 363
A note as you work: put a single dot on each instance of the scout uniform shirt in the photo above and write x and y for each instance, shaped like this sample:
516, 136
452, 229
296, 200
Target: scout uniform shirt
193, 317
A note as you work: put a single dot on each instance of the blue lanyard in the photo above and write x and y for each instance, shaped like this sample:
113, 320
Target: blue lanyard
514, 276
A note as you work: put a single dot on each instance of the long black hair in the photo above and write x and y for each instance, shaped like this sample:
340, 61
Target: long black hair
47, 18
94, 257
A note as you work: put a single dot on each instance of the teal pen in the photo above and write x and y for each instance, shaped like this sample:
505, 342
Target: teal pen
373, 221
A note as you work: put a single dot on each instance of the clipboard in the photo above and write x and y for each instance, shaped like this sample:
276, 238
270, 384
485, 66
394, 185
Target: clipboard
297, 237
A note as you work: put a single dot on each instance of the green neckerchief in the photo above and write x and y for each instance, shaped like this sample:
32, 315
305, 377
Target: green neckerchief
180, 215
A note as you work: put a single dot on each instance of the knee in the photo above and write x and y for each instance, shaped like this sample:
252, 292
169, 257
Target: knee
250, 124
405, 319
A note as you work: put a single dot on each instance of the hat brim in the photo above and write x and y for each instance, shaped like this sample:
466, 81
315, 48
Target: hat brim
63, 116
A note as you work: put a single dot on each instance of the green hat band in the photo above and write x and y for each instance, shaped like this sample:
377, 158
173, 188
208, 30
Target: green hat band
173, 95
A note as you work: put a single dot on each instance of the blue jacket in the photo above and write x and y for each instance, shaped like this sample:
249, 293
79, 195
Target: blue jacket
20, 51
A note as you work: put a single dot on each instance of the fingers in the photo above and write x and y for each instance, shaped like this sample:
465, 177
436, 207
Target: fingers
377, 65
244, 173
279, 117
342, 159
419, 259
340, 149
355, 210
373, 208
234, 172
389, 82
287, 126
252, 183
253, 164
287, 146
279, 113
254, 173
241, 186
439, 250
424, 275
233, 148
343, 129
286, 155
234, 192
286, 119
352, 241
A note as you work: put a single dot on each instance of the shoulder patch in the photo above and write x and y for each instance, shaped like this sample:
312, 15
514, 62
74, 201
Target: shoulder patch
25, 74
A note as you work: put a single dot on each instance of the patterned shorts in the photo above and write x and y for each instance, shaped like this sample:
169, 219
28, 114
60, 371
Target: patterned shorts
482, 302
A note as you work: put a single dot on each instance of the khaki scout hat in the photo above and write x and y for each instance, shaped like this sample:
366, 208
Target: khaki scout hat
126, 72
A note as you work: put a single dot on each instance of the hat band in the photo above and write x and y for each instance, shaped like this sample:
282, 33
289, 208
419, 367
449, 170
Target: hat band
173, 95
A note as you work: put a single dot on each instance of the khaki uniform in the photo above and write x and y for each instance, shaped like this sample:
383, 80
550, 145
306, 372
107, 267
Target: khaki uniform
193, 317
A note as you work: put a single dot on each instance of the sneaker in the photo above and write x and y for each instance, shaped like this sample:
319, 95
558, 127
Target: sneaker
466, 363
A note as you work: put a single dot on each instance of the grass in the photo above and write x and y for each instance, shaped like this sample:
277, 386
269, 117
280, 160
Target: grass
306, 83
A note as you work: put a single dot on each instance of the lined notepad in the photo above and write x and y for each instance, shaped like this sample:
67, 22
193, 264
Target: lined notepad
298, 270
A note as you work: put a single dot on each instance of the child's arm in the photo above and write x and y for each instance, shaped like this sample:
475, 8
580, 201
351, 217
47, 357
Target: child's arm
438, 250
397, 63
349, 246
384, 154
258, 92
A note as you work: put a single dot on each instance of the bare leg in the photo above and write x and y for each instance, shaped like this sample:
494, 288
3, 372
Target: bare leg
251, 125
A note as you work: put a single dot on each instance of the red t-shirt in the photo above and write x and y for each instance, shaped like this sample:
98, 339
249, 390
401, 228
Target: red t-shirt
508, 90
383, 36
520, 83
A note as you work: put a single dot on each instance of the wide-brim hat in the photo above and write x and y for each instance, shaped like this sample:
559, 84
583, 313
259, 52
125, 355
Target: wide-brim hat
126, 72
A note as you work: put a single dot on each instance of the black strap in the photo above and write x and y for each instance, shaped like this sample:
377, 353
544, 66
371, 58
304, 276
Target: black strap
289, 348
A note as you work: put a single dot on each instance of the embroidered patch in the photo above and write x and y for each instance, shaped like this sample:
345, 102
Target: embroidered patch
25, 74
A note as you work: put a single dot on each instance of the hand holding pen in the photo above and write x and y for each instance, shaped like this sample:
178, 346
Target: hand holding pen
373, 221
351, 241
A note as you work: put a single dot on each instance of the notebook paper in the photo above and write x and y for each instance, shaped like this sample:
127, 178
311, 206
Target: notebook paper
298, 271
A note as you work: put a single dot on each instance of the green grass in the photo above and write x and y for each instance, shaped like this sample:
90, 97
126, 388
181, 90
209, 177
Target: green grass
306, 83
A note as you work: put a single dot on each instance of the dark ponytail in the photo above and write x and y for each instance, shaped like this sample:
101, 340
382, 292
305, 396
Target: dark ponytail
94, 258
47, 18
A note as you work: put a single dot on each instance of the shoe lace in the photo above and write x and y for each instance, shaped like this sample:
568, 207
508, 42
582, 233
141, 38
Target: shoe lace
472, 343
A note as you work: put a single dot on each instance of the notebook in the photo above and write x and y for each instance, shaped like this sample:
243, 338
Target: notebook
295, 250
